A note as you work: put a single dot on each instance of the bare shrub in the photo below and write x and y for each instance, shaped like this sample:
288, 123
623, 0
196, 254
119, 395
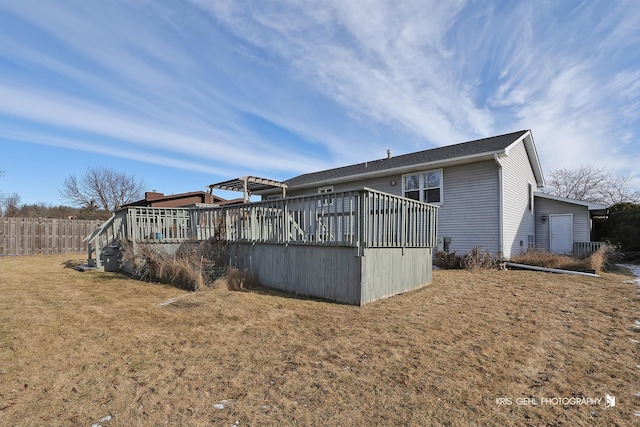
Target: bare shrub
476, 259
210, 255
472, 260
139, 260
180, 272
448, 261
193, 266
241, 279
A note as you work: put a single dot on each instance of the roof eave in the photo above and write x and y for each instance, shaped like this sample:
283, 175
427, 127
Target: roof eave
489, 155
532, 153
589, 205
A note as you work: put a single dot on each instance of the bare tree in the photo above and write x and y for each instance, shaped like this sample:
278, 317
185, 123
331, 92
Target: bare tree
1, 196
592, 184
9, 205
102, 187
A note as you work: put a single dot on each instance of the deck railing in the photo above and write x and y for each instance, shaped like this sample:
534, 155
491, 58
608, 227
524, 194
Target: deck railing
108, 234
586, 248
362, 218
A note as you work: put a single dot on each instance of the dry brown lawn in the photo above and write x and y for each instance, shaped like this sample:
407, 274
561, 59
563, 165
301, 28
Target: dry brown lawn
78, 347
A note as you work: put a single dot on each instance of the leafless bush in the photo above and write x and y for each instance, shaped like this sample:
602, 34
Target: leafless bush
448, 261
240, 279
194, 265
210, 255
472, 260
476, 259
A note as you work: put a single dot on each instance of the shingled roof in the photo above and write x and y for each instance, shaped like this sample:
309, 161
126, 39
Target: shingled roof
465, 149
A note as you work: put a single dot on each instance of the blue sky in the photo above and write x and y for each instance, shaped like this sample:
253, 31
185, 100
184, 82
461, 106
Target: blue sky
187, 93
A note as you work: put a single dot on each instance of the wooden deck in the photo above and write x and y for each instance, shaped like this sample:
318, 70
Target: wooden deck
342, 232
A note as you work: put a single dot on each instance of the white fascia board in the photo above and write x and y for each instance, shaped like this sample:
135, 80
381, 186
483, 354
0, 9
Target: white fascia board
590, 205
532, 153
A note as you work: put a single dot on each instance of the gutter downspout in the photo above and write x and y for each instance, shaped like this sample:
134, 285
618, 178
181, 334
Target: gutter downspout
500, 207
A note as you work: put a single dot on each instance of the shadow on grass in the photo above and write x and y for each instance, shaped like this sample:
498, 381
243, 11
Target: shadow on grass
73, 263
98, 274
109, 276
271, 292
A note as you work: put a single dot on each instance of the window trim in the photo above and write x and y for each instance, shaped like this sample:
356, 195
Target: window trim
324, 190
421, 189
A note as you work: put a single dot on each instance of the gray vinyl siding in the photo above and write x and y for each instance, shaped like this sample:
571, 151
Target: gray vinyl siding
546, 207
468, 215
380, 184
518, 220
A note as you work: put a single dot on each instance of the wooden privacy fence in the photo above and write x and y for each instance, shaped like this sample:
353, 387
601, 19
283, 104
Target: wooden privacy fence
47, 236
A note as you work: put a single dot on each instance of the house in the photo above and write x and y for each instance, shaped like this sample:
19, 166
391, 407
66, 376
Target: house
565, 225
362, 232
487, 191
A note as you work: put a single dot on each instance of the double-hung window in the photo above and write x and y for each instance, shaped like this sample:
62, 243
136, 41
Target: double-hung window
324, 190
424, 186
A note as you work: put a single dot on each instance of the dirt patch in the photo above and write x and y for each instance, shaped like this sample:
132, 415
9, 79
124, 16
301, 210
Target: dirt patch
76, 348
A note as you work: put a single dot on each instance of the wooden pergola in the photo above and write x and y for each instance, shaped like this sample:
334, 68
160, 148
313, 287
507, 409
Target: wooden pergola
248, 185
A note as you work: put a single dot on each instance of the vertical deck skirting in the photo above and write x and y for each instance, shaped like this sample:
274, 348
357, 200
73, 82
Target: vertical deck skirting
336, 273
391, 271
328, 272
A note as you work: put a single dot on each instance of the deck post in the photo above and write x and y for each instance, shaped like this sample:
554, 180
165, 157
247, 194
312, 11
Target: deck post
286, 221
362, 216
402, 227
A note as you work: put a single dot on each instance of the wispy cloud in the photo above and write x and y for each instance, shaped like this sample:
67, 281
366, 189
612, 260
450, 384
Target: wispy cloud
386, 62
449, 71
280, 88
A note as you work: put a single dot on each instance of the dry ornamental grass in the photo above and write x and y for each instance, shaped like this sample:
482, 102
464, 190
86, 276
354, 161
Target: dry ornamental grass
78, 347
596, 262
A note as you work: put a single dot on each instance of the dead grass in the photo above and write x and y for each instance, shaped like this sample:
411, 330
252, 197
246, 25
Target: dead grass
596, 262
76, 347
